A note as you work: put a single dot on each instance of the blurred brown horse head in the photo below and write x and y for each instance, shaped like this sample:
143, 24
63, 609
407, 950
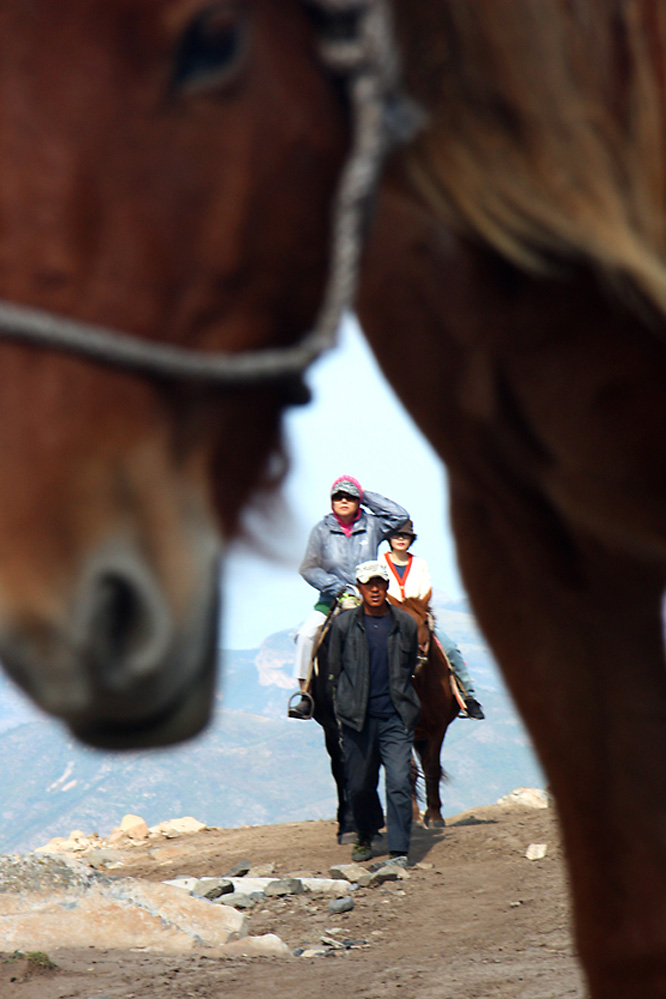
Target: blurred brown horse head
153, 157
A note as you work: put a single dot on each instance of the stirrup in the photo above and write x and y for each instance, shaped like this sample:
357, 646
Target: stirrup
301, 695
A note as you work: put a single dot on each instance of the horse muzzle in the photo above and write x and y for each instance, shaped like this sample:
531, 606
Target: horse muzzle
128, 669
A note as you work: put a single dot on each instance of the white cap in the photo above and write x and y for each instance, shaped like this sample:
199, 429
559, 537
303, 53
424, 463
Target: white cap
371, 570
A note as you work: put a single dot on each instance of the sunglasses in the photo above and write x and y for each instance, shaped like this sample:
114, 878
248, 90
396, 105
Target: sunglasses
343, 496
402, 537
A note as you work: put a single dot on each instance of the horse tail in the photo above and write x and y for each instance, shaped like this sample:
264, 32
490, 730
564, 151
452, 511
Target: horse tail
418, 778
417, 781
545, 129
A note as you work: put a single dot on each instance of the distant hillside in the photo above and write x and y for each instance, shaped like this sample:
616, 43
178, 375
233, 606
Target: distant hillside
252, 767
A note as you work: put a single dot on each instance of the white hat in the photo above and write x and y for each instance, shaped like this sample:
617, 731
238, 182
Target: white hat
371, 570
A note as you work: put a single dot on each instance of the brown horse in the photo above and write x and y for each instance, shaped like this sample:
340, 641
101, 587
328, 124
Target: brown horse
439, 706
167, 169
150, 182
521, 240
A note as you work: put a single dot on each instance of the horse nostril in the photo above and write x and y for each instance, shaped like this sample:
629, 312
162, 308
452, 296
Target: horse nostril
126, 630
119, 622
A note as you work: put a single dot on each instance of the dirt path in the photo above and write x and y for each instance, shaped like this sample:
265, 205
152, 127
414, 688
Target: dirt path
475, 920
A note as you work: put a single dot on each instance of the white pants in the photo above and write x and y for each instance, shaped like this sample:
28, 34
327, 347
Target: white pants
305, 639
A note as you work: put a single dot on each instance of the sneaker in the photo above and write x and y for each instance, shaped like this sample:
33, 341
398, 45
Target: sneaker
302, 710
362, 849
474, 709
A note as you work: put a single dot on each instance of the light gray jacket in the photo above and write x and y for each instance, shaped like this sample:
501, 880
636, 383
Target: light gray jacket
331, 557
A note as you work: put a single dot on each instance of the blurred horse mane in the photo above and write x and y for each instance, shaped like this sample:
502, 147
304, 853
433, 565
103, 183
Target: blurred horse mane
545, 135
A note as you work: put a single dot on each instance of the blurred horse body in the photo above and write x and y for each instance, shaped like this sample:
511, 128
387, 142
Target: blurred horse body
521, 243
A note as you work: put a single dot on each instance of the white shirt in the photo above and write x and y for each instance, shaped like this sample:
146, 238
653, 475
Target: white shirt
415, 581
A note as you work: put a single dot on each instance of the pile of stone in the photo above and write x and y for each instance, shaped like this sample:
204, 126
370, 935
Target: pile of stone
108, 853
244, 887
171, 916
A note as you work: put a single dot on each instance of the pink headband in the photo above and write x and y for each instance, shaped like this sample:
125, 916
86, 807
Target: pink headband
347, 484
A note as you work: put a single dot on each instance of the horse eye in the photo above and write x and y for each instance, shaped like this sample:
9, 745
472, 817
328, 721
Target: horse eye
211, 49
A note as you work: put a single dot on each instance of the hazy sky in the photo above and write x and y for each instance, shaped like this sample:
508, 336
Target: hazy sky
355, 426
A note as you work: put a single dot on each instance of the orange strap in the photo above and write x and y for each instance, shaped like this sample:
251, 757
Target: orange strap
400, 581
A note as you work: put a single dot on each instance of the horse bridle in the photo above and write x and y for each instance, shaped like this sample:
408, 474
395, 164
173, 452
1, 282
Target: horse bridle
357, 45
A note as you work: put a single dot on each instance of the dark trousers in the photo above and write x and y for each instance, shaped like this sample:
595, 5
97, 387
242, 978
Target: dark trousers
381, 741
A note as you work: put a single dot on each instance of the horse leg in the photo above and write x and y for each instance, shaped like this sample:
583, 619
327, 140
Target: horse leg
334, 750
429, 753
577, 630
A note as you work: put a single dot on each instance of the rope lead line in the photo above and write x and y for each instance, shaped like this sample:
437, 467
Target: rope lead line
370, 64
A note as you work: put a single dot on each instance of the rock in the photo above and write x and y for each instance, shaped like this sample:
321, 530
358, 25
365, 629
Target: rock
104, 860
341, 905
238, 900
261, 871
177, 827
388, 873
536, 851
354, 873
527, 797
48, 902
332, 943
268, 945
77, 842
284, 886
212, 888
240, 869
134, 827
314, 952
241, 897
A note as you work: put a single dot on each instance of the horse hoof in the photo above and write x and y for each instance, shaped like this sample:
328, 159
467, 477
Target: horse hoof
434, 823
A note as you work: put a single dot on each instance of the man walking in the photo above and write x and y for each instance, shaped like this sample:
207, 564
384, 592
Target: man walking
372, 657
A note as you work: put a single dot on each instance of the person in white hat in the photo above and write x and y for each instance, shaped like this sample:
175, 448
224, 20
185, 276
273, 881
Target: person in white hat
351, 533
372, 657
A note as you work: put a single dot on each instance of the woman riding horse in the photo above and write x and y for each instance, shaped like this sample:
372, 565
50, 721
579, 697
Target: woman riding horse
359, 521
409, 577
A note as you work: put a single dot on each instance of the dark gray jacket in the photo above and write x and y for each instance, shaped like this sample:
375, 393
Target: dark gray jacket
349, 667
